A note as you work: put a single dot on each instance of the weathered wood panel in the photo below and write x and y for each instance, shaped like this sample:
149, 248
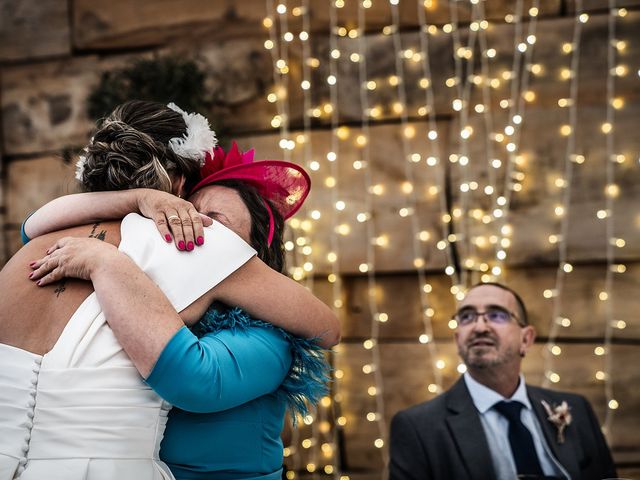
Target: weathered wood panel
32, 29
398, 295
119, 24
532, 210
387, 165
599, 5
543, 150
31, 183
43, 105
405, 386
13, 241
243, 105
547, 85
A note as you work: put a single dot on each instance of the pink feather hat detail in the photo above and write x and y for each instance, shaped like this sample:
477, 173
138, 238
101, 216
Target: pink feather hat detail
285, 184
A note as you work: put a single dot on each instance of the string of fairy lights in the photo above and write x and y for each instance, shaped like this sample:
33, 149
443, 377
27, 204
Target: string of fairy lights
434, 160
520, 95
460, 157
611, 192
369, 267
319, 451
562, 209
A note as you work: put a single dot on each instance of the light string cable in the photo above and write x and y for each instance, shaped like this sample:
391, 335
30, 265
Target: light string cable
501, 201
306, 139
486, 109
280, 71
321, 426
521, 75
286, 143
335, 277
279, 57
460, 104
611, 192
564, 267
307, 250
281, 121
434, 161
378, 415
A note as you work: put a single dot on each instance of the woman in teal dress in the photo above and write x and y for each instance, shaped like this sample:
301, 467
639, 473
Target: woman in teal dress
230, 377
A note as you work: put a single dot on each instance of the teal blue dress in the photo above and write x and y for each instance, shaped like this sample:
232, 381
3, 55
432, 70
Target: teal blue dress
231, 381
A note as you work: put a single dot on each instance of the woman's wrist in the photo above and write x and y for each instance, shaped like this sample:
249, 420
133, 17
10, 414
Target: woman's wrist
140, 195
106, 260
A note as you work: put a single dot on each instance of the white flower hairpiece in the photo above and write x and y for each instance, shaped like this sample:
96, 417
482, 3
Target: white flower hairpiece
80, 164
199, 138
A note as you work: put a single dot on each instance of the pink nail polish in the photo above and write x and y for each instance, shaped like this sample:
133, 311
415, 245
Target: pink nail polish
167, 237
38, 282
189, 246
31, 274
200, 240
181, 245
32, 263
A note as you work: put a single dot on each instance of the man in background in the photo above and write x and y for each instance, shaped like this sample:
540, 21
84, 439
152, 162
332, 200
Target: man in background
490, 424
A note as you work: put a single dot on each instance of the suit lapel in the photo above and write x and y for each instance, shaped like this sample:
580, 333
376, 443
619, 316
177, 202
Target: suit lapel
465, 426
563, 452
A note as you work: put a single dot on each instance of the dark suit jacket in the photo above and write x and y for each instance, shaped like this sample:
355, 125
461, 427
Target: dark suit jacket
444, 439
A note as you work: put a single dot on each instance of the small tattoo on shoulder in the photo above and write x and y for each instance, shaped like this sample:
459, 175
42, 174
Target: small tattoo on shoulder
62, 286
101, 235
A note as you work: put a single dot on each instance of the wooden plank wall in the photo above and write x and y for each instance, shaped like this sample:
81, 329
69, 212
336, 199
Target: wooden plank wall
53, 52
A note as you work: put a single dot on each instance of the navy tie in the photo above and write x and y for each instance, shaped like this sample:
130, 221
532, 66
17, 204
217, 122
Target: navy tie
522, 447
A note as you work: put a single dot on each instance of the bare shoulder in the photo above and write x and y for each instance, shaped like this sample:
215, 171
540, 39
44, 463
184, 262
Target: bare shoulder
32, 317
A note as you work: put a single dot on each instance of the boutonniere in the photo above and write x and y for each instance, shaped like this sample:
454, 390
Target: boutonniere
560, 416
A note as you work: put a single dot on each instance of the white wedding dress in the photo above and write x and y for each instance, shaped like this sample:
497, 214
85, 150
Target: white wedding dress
82, 411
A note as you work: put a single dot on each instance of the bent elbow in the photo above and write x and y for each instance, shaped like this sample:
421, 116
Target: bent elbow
332, 336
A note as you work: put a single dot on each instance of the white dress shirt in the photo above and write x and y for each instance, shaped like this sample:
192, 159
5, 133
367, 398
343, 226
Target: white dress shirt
496, 428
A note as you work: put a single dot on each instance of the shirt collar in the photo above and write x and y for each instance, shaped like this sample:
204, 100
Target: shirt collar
484, 398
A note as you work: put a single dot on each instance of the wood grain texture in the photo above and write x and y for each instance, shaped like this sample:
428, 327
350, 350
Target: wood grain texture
33, 29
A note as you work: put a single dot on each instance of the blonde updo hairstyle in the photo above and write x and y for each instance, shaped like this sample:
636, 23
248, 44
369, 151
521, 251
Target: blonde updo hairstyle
130, 149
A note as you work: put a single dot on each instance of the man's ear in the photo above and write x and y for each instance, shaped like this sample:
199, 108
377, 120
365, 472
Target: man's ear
527, 338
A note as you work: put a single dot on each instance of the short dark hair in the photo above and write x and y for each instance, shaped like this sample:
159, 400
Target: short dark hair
524, 319
273, 255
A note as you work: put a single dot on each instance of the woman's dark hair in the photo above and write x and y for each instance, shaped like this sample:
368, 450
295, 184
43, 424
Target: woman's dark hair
273, 255
130, 149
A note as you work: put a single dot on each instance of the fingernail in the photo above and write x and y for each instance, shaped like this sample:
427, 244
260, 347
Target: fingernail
200, 240
181, 245
189, 246
167, 237
38, 282
32, 263
31, 274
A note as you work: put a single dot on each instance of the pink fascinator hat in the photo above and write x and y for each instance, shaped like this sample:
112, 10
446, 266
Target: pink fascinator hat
285, 184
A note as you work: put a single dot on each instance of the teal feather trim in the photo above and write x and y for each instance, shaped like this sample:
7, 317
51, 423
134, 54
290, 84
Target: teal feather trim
306, 381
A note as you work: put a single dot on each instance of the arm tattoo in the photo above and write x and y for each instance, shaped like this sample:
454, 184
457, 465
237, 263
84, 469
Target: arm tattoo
101, 235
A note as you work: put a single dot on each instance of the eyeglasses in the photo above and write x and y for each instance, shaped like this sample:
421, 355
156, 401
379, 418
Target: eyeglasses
495, 315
